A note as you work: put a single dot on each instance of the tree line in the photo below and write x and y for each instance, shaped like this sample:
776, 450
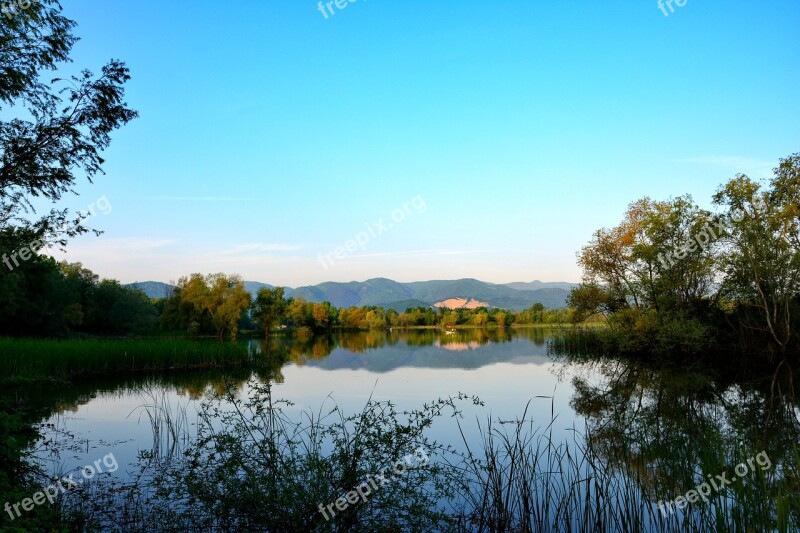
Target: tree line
46, 298
675, 278
220, 304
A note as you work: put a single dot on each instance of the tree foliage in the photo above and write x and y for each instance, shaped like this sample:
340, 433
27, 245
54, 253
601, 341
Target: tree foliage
672, 276
207, 304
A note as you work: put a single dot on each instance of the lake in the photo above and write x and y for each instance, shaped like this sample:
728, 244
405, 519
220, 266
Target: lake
649, 426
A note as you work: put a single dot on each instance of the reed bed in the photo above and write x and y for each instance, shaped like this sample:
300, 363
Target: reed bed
70, 359
254, 469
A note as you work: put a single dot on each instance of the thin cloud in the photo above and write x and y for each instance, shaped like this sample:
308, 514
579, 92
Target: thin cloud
125, 245
261, 247
196, 198
419, 253
735, 163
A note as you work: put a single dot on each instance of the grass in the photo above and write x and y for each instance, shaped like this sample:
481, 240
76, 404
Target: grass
253, 468
22, 359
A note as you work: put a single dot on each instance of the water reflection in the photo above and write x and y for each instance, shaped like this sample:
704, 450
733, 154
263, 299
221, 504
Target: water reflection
665, 429
384, 351
672, 429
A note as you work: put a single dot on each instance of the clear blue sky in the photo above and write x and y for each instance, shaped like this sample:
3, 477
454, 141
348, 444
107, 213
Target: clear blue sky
270, 134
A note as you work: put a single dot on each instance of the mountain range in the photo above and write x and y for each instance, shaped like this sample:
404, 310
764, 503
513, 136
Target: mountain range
387, 293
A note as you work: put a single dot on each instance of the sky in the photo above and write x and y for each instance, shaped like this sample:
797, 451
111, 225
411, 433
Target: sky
419, 140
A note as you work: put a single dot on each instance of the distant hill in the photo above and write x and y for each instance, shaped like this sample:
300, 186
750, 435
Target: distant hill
378, 291
401, 306
153, 289
382, 292
253, 286
387, 293
536, 285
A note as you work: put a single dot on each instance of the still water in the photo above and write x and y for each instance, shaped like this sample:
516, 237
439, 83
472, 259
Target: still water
505, 370
666, 428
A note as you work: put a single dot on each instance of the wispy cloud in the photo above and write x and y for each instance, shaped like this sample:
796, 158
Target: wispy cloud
260, 247
196, 198
419, 253
125, 245
747, 165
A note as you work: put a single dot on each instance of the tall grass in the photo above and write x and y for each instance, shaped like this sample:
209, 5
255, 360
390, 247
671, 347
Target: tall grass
70, 359
522, 479
252, 468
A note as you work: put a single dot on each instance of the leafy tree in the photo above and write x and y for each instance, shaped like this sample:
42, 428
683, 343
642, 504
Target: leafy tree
298, 312
321, 314
119, 310
269, 308
672, 276
58, 130
52, 134
229, 300
762, 259
215, 302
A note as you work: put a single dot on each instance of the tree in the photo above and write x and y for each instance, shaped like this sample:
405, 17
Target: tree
115, 309
215, 301
60, 129
375, 319
52, 134
321, 313
660, 257
762, 259
298, 312
269, 308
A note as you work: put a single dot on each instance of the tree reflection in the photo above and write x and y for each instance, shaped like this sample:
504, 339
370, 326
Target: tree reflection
669, 428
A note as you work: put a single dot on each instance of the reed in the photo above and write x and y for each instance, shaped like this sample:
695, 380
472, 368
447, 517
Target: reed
252, 467
71, 359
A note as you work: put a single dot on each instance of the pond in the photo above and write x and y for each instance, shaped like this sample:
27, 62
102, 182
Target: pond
659, 433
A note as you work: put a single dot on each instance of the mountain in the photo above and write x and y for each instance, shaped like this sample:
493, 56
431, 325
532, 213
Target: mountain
536, 285
153, 289
253, 286
377, 291
402, 305
388, 293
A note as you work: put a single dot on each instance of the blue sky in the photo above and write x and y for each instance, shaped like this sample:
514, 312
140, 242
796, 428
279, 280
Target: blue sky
270, 135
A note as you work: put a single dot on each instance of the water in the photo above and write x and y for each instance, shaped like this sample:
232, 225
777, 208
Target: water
505, 371
662, 430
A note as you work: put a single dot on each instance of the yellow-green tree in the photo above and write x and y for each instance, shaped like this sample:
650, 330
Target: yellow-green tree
220, 298
269, 307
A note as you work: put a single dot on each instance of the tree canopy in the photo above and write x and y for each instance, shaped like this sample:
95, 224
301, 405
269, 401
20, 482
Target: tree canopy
673, 276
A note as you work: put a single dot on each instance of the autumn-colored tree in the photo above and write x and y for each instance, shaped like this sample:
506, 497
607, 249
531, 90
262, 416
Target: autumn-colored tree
674, 276
321, 313
762, 256
218, 298
269, 308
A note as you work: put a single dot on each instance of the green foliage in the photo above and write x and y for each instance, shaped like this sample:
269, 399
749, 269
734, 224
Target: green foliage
213, 304
52, 134
254, 468
45, 298
71, 359
672, 277
268, 308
